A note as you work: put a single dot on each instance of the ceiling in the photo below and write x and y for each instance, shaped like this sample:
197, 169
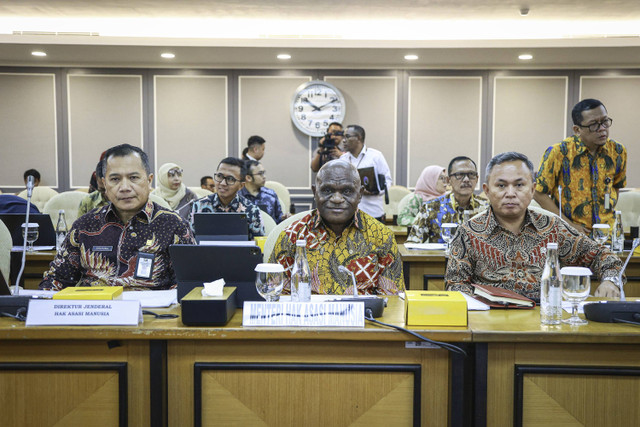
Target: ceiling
370, 34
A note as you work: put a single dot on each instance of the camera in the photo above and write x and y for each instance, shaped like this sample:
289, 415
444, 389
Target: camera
329, 142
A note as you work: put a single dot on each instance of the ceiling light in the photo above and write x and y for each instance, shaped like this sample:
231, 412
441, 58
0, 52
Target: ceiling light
411, 57
525, 57
524, 11
168, 55
38, 53
284, 56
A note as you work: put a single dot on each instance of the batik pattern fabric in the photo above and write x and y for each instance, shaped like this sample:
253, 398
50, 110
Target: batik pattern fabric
427, 225
485, 253
266, 200
410, 211
93, 200
585, 179
100, 250
366, 247
238, 204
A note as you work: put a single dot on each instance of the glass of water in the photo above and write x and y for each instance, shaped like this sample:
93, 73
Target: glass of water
601, 232
30, 232
448, 231
575, 289
269, 281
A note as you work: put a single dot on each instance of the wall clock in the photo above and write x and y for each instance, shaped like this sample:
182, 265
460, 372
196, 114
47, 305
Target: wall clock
315, 104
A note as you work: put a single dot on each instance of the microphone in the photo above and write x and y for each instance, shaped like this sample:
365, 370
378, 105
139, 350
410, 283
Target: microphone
372, 304
190, 203
635, 244
345, 270
30, 182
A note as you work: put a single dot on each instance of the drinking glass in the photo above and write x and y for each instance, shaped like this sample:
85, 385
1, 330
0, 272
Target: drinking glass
601, 232
269, 281
448, 230
575, 289
30, 232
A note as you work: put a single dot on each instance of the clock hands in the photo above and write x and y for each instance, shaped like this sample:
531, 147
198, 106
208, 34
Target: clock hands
315, 107
324, 105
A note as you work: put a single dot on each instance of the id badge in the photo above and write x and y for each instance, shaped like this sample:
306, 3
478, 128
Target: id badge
144, 266
607, 202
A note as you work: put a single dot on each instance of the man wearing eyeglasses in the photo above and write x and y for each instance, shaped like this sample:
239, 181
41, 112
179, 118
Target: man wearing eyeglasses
261, 196
588, 166
450, 207
230, 178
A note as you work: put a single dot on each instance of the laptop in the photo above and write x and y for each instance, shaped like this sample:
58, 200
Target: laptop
220, 226
46, 233
196, 264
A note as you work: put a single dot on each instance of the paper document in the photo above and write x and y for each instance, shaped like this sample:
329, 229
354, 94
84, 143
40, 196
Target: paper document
227, 243
473, 304
35, 248
153, 299
426, 246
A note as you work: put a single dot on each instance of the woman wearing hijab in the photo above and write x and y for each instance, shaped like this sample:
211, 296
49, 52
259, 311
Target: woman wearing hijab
171, 189
432, 183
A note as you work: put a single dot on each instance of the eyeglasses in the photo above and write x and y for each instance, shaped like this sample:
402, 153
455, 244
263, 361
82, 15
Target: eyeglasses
349, 135
593, 127
229, 179
442, 178
174, 172
261, 173
462, 175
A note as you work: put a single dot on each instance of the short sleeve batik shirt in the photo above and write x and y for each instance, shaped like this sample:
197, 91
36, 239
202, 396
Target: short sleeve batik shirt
100, 250
586, 180
366, 247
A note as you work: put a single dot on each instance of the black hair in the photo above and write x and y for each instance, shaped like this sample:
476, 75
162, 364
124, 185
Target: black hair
251, 164
584, 105
509, 156
460, 159
359, 130
255, 140
32, 172
335, 124
125, 150
203, 180
100, 169
234, 161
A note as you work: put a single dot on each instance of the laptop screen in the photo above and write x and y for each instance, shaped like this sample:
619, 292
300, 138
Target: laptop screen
46, 233
221, 226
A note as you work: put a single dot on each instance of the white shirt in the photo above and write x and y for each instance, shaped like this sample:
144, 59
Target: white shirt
373, 205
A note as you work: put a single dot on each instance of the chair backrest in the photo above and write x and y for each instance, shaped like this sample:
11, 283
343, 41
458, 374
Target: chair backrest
82, 189
268, 222
282, 192
40, 196
396, 193
200, 192
629, 205
159, 200
272, 237
69, 201
5, 251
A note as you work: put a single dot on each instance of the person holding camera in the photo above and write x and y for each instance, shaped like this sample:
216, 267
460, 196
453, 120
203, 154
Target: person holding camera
328, 147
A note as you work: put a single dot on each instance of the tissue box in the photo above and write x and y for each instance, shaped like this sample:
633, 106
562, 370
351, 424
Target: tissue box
200, 310
89, 293
435, 308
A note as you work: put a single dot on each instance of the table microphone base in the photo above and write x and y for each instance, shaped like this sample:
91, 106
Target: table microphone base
611, 311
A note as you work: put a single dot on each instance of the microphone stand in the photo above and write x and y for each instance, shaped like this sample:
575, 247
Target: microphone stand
353, 279
16, 288
636, 243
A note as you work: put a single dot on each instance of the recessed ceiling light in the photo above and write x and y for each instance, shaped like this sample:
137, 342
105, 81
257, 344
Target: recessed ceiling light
38, 53
525, 57
524, 11
284, 56
168, 55
411, 57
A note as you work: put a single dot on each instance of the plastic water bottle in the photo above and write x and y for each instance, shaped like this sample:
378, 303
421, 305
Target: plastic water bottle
551, 288
61, 229
617, 234
300, 275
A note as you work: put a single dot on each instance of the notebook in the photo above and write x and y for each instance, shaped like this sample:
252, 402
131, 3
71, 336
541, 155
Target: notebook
46, 233
196, 264
220, 226
369, 179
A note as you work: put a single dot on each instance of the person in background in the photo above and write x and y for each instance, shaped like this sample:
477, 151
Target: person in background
261, 196
104, 249
35, 174
255, 148
172, 189
450, 207
97, 198
431, 183
207, 183
10, 203
328, 146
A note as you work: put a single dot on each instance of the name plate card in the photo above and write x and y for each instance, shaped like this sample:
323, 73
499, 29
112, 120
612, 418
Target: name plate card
307, 314
87, 313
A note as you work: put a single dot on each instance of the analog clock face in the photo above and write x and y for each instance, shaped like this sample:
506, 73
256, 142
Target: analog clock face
316, 104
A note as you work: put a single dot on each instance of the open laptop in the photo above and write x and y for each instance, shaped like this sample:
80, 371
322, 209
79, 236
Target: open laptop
196, 264
220, 226
46, 233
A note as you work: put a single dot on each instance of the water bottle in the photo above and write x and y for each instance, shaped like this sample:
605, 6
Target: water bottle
551, 288
617, 234
300, 275
61, 229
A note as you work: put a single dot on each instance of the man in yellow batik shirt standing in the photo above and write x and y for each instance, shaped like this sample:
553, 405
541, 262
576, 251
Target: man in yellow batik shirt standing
589, 166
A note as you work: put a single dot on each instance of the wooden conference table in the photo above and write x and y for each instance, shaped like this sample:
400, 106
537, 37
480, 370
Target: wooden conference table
163, 373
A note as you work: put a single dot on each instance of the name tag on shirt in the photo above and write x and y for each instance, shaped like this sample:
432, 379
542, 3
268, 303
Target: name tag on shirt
102, 248
144, 265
